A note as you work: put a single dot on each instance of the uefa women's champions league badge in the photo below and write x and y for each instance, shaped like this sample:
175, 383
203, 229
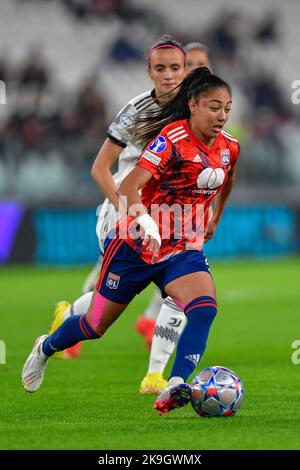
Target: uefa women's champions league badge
225, 155
158, 145
125, 118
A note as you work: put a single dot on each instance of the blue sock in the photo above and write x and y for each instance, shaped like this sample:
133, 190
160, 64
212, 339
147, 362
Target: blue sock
70, 332
200, 314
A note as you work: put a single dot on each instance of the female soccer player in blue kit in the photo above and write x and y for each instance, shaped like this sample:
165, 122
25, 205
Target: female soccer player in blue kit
189, 161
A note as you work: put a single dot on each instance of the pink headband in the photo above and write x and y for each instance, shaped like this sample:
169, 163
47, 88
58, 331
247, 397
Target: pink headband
163, 46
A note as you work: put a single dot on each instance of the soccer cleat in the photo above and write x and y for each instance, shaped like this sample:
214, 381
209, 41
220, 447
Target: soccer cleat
34, 367
153, 383
145, 327
58, 318
173, 397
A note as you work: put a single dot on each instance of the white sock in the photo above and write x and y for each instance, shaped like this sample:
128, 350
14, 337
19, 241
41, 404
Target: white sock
175, 381
92, 277
154, 307
80, 306
169, 326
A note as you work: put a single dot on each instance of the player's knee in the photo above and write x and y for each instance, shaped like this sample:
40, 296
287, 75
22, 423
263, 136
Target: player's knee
204, 305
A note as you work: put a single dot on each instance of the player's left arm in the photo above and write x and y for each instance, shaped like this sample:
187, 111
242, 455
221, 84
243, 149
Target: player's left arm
221, 200
129, 188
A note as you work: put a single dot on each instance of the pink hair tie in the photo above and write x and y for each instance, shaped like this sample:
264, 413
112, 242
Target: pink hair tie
164, 46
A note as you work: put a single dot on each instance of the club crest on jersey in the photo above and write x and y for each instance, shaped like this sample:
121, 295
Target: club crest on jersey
225, 154
158, 145
113, 281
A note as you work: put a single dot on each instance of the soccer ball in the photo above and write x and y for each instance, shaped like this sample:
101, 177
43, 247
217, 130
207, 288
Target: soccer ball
217, 391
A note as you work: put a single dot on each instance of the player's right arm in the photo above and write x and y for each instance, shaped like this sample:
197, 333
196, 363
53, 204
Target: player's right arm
129, 188
118, 138
101, 169
151, 164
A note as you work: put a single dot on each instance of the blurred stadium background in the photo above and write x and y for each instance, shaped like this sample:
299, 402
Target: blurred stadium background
70, 65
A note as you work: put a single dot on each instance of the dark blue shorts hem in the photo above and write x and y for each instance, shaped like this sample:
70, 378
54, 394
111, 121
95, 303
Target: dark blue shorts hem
127, 274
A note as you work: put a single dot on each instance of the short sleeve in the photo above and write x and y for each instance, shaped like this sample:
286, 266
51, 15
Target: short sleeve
156, 156
118, 130
235, 153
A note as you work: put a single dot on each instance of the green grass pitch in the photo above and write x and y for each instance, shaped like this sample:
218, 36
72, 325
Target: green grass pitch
94, 403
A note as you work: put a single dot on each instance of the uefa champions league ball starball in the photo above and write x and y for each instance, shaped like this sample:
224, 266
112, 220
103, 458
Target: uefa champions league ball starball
217, 391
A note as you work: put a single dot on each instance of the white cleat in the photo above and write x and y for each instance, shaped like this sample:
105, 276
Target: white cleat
34, 367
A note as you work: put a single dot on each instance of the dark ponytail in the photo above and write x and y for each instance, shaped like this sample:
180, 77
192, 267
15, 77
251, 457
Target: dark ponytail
150, 122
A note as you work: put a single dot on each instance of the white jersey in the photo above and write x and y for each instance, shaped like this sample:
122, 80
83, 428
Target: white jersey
119, 133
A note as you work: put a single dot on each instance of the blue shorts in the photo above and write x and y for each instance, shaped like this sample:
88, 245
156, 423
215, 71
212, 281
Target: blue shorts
124, 274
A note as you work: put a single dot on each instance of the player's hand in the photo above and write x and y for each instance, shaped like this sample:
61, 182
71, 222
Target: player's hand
152, 246
210, 230
151, 236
